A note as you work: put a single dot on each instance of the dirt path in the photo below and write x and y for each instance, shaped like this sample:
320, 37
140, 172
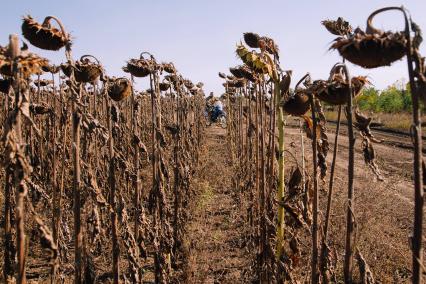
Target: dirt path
216, 251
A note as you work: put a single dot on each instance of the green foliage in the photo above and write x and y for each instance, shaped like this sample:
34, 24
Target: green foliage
368, 99
390, 100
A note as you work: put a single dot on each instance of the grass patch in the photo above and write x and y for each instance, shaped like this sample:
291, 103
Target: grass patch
206, 195
398, 121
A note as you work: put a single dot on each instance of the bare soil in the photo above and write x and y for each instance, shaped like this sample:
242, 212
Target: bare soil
383, 210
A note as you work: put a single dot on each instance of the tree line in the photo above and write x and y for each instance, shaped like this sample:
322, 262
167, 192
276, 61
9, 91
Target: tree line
393, 99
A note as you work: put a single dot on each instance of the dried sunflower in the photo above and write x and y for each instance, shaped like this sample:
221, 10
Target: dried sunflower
43, 83
297, 104
259, 63
251, 39
43, 35
285, 84
372, 48
339, 27
268, 44
336, 90
164, 86
38, 109
28, 63
85, 70
237, 83
51, 68
141, 67
119, 88
243, 71
169, 67
188, 84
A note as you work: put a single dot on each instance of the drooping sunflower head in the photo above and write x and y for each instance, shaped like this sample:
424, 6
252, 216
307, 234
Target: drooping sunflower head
339, 27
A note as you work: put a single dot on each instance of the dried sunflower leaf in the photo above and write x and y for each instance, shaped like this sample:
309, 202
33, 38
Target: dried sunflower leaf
364, 269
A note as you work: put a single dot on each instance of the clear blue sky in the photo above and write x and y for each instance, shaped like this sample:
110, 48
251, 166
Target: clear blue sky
200, 36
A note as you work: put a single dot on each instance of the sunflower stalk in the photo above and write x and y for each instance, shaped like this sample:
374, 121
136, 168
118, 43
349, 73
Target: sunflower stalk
350, 222
329, 201
278, 96
314, 263
281, 182
19, 171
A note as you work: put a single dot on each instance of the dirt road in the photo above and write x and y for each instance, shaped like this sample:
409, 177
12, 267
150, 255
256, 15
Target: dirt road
383, 210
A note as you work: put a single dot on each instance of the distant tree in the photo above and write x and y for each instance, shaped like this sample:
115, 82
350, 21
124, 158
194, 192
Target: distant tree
368, 99
393, 99
408, 103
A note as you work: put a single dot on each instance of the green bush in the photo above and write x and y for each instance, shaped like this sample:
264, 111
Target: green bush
390, 100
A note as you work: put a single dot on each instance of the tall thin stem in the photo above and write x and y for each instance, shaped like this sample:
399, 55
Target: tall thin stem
112, 200
18, 171
329, 198
347, 269
281, 185
331, 182
78, 236
314, 263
